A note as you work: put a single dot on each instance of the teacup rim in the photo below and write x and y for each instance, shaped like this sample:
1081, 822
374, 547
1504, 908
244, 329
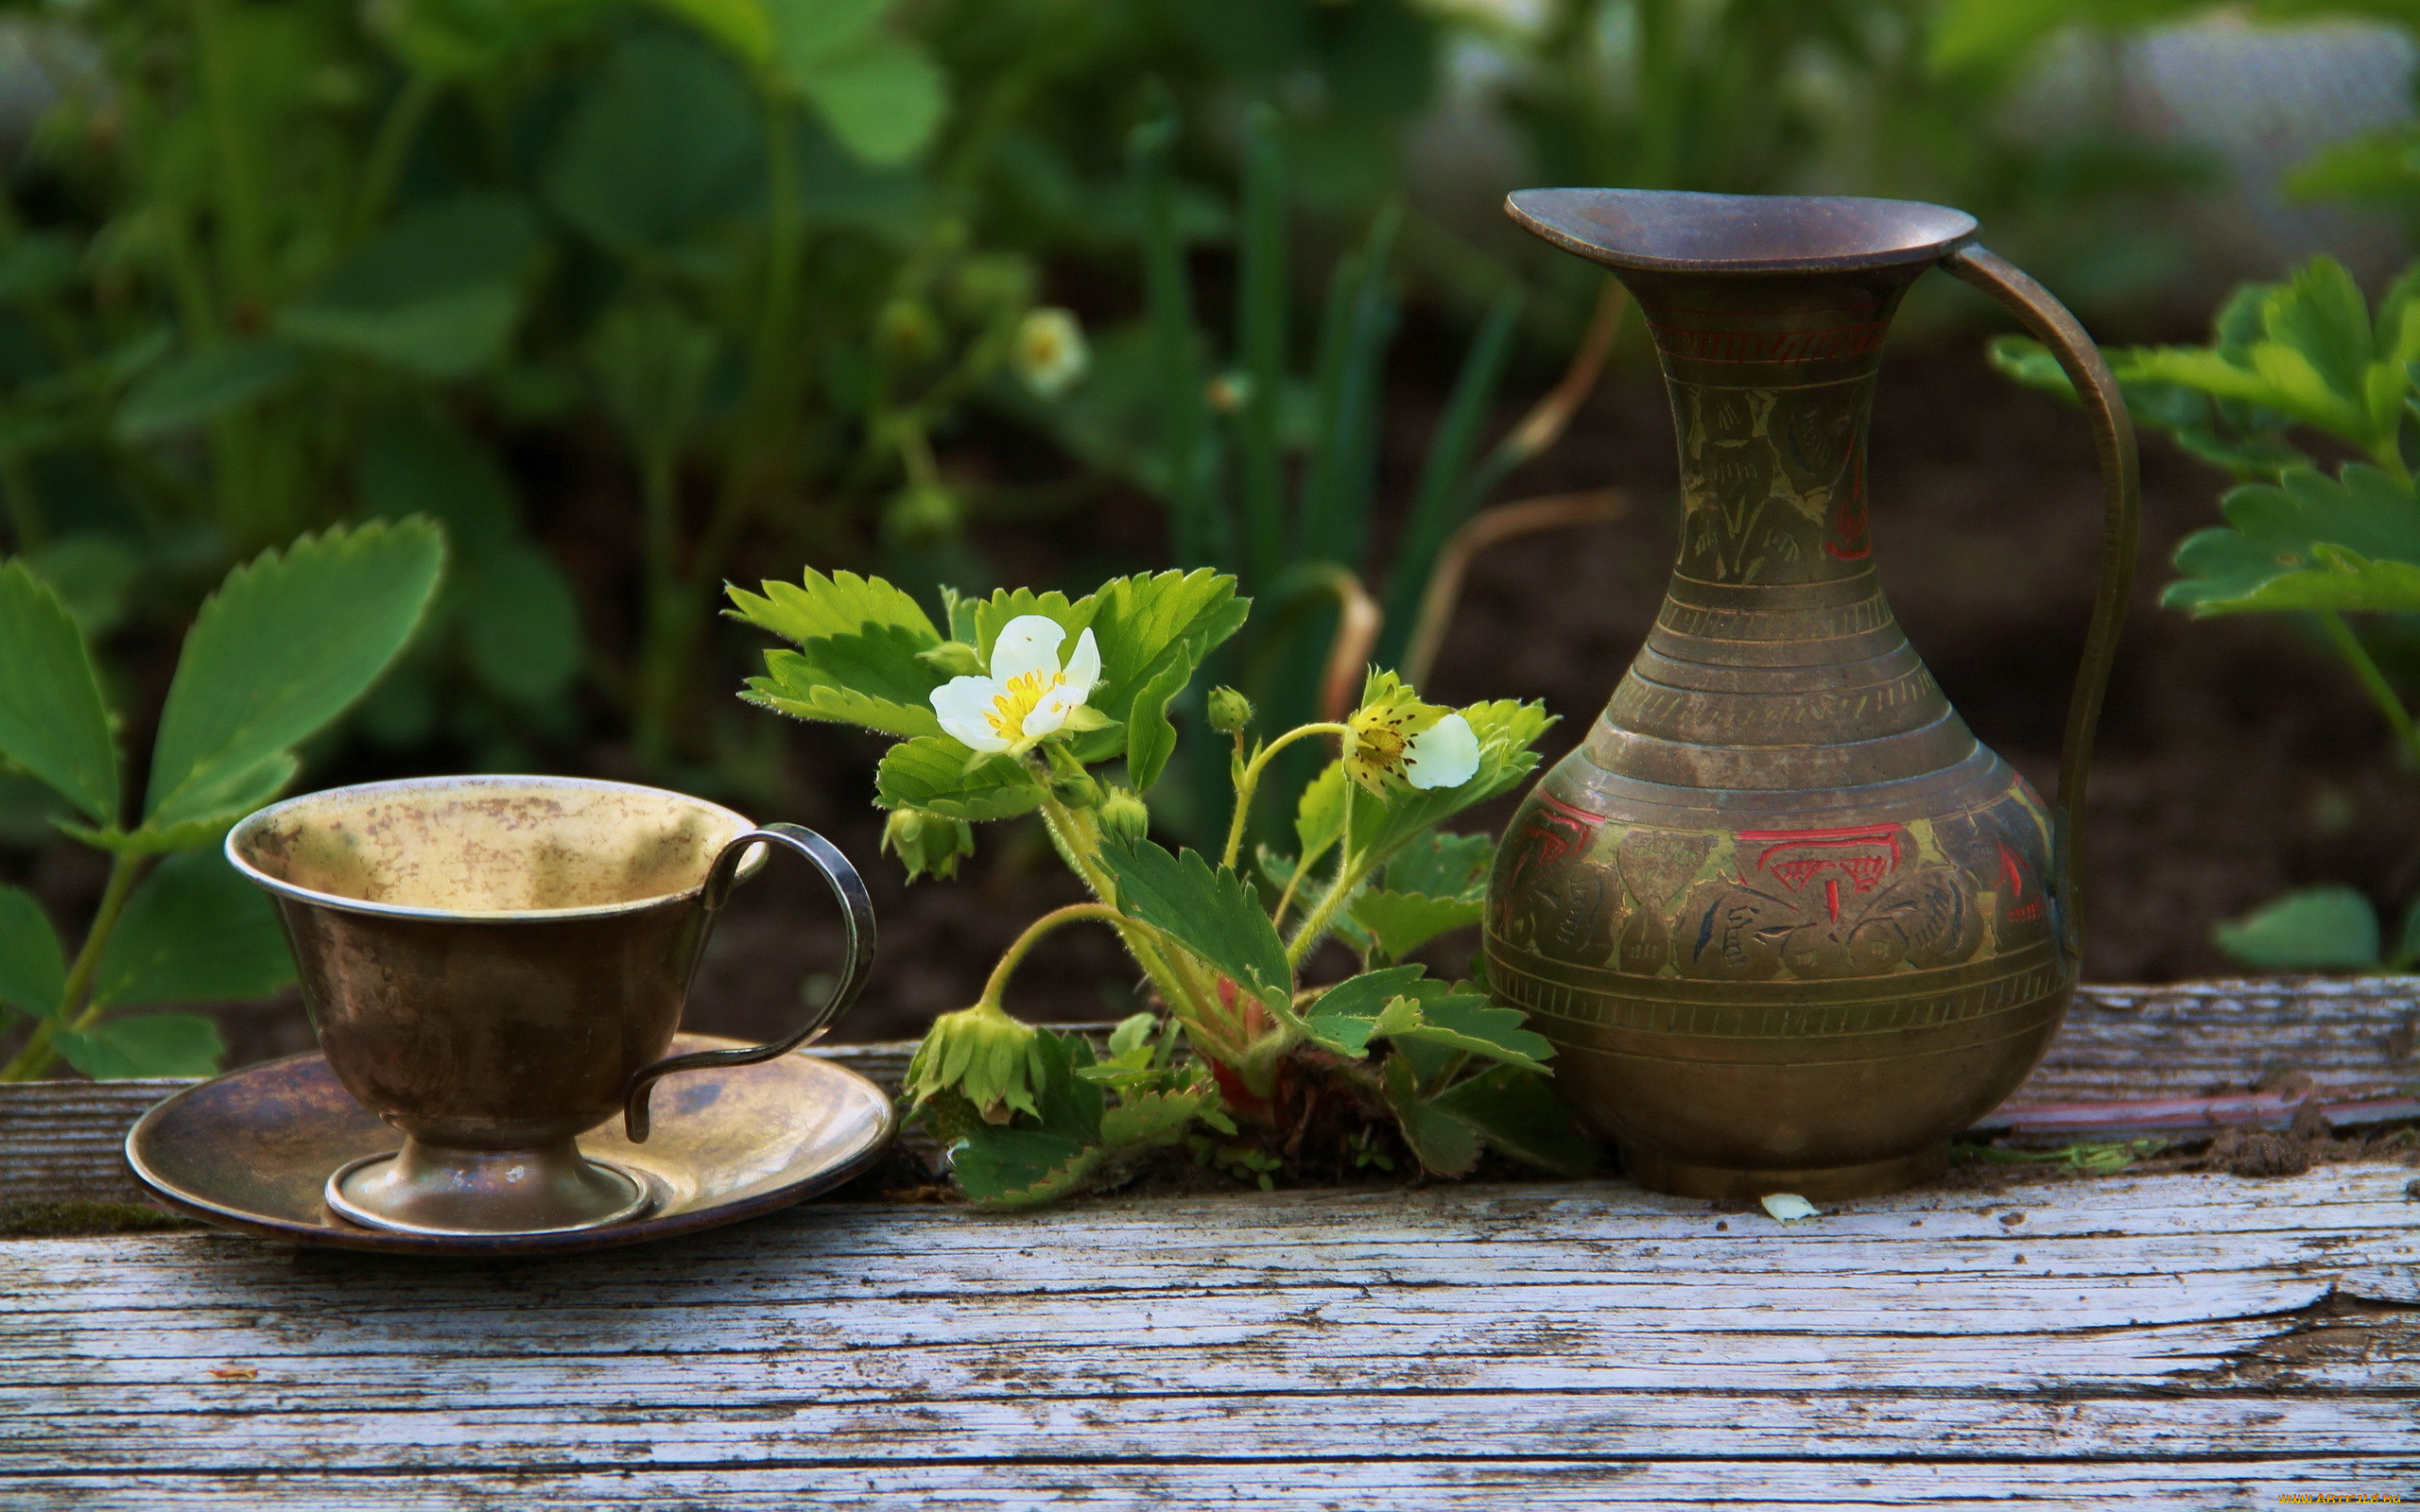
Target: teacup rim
259, 819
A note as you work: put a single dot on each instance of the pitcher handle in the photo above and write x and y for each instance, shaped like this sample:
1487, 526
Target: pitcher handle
856, 914
2113, 435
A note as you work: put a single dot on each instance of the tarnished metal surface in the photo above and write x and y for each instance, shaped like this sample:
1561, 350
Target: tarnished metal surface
497, 965
1791, 924
252, 1150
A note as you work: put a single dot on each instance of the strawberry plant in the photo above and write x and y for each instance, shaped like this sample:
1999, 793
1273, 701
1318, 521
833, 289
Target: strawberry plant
288, 642
1035, 703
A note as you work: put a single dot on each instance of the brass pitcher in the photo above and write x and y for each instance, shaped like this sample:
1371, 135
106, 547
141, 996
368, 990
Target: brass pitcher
1791, 926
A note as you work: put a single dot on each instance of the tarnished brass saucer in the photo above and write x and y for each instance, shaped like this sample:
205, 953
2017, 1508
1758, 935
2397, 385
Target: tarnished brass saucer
253, 1151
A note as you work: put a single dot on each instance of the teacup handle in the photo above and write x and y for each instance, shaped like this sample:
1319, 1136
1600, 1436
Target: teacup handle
856, 914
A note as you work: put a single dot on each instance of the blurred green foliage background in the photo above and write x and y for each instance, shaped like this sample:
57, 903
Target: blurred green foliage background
634, 297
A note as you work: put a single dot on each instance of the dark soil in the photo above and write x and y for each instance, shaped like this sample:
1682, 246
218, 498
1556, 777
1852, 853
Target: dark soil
2236, 760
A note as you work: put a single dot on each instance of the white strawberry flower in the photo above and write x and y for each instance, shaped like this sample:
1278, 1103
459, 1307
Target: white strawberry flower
1027, 693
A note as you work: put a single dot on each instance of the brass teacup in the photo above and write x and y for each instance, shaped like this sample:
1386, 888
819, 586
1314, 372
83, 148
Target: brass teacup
495, 965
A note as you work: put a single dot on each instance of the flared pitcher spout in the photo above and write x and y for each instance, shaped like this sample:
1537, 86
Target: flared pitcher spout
1672, 230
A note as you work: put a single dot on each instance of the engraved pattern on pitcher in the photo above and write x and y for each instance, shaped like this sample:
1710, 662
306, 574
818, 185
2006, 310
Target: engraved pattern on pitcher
1813, 905
1749, 449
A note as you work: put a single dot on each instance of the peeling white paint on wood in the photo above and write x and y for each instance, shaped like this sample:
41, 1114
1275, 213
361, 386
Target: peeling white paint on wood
2164, 1341
2168, 1341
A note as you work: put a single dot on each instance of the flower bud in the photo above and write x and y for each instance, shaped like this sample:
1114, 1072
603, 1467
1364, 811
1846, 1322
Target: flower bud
1077, 789
952, 659
1230, 711
1124, 816
990, 1059
926, 842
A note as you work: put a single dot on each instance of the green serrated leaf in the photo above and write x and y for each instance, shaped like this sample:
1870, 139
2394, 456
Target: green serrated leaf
1442, 865
285, 646
1345, 1017
2318, 314
1021, 1167
196, 931
1150, 736
1212, 911
1066, 1103
1463, 1020
147, 1044
2307, 541
2312, 929
1404, 921
930, 772
1147, 1120
1319, 815
1519, 1113
213, 810
2029, 362
1149, 624
877, 677
33, 967
1445, 1145
992, 614
53, 724
819, 607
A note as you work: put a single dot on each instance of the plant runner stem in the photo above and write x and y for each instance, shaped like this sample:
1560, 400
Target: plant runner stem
2357, 655
39, 1054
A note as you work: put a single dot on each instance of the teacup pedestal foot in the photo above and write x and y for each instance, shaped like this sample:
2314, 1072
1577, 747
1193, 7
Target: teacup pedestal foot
431, 1189
1679, 1179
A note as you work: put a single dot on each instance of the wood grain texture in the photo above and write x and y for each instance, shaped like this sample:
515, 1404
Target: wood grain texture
2138, 1342
2168, 1341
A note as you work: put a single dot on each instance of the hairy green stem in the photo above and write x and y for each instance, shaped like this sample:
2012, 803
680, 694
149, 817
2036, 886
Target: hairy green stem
38, 1054
2365, 668
1349, 872
996, 985
1193, 1002
1251, 780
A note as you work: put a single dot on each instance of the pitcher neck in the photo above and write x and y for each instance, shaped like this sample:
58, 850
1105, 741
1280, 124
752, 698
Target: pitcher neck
1771, 378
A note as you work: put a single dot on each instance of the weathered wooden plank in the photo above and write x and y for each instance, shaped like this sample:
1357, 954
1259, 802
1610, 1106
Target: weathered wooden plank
697, 1368
599, 1425
2354, 1037
1342, 1482
59, 1140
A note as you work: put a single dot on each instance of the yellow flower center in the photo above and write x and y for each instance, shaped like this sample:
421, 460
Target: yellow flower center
1017, 698
1378, 740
